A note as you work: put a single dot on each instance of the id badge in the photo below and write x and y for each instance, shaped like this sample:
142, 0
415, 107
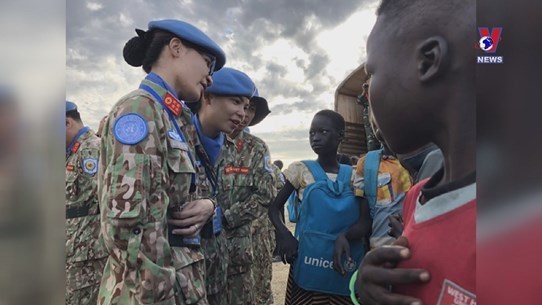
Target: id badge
217, 221
192, 241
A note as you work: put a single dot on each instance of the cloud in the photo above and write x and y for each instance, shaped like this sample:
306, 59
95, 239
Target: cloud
275, 42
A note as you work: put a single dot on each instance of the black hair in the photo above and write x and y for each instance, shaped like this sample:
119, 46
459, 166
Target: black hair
344, 159
74, 114
278, 163
145, 48
336, 118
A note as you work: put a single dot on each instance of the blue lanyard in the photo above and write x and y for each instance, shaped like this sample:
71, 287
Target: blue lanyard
172, 119
77, 136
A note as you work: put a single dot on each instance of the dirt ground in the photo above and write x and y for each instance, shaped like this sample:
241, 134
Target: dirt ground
280, 275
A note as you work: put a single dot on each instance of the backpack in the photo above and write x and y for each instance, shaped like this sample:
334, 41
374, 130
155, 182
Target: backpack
370, 178
328, 208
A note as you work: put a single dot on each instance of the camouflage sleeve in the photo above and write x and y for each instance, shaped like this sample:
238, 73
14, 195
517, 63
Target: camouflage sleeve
262, 192
83, 184
134, 203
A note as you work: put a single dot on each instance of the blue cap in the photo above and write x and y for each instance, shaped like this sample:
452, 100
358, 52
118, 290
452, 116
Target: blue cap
70, 106
262, 108
191, 34
229, 81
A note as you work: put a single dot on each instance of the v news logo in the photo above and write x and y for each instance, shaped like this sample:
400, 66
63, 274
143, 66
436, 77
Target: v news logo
495, 35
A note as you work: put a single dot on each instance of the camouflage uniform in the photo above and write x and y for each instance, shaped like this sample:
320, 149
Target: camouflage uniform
246, 188
214, 248
85, 251
138, 184
263, 244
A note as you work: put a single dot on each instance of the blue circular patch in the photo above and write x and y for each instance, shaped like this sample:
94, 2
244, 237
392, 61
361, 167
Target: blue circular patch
130, 128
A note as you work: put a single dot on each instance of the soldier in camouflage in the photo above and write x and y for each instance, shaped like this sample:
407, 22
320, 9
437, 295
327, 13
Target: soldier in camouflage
85, 251
151, 212
247, 186
221, 109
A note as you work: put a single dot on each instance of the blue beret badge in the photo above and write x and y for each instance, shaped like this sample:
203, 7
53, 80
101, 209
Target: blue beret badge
90, 165
130, 129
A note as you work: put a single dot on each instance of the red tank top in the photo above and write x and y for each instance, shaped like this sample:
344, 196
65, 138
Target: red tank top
445, 245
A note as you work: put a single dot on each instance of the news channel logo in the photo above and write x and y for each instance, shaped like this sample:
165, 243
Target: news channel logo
488, 43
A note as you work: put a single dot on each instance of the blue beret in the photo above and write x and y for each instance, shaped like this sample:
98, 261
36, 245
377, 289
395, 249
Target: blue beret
229, 81
191, 34
262, 108
70, 106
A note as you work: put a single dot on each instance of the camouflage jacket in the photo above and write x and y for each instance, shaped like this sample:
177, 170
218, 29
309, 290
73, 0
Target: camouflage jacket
263, 222
83, 241
247, 183
137, 185
214, 248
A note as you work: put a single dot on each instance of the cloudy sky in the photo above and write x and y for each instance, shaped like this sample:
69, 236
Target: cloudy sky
297, 52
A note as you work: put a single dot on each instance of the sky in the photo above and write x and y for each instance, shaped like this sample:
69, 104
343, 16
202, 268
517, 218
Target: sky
296, 52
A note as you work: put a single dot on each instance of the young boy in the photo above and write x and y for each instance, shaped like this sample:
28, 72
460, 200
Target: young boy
422, 90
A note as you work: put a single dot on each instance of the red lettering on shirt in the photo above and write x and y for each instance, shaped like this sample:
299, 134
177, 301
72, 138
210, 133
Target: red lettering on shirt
230, 169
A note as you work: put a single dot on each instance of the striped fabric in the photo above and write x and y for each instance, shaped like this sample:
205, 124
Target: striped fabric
298, 296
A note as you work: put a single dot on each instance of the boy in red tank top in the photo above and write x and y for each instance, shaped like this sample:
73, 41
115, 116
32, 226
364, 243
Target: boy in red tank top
420, 61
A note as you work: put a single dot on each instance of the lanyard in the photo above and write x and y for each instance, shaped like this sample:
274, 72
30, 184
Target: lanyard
211, 175
172, 119
77, 136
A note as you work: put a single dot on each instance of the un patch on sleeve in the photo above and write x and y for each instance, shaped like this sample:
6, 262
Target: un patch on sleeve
130, 128
267, 163
90, 165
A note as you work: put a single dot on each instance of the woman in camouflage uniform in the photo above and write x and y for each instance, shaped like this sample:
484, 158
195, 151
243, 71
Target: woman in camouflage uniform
147, 172
219, 112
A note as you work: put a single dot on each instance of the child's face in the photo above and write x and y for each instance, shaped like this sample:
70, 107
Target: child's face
323, 136
394, 90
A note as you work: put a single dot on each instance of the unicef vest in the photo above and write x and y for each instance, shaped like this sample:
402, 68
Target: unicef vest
328, 208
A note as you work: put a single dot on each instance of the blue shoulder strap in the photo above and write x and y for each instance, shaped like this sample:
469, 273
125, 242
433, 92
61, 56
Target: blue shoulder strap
370, 176
316, 170
345, 174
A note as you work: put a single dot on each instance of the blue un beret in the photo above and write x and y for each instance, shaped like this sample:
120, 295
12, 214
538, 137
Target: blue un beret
229, 81
70, 106
191, 34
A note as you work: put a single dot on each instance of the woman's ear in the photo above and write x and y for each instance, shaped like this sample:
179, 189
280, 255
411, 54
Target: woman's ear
176, 47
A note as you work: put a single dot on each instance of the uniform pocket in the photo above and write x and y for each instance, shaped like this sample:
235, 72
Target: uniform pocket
240, 247
191, 283
178, 158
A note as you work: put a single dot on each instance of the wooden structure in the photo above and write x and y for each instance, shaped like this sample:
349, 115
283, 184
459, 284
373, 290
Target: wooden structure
350, 107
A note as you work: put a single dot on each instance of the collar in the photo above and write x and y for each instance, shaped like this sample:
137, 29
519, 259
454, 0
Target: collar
212, 146
74, 140
155, 78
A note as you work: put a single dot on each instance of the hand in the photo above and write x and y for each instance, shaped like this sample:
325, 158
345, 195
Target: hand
341, 247
377, 272
396, 225
286, 246
190, 220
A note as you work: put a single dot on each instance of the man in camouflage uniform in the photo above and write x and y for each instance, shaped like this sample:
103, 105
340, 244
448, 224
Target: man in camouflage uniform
147, 174
247, 186
85, 252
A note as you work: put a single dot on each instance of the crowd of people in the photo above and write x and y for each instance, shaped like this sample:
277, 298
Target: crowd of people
173, 201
